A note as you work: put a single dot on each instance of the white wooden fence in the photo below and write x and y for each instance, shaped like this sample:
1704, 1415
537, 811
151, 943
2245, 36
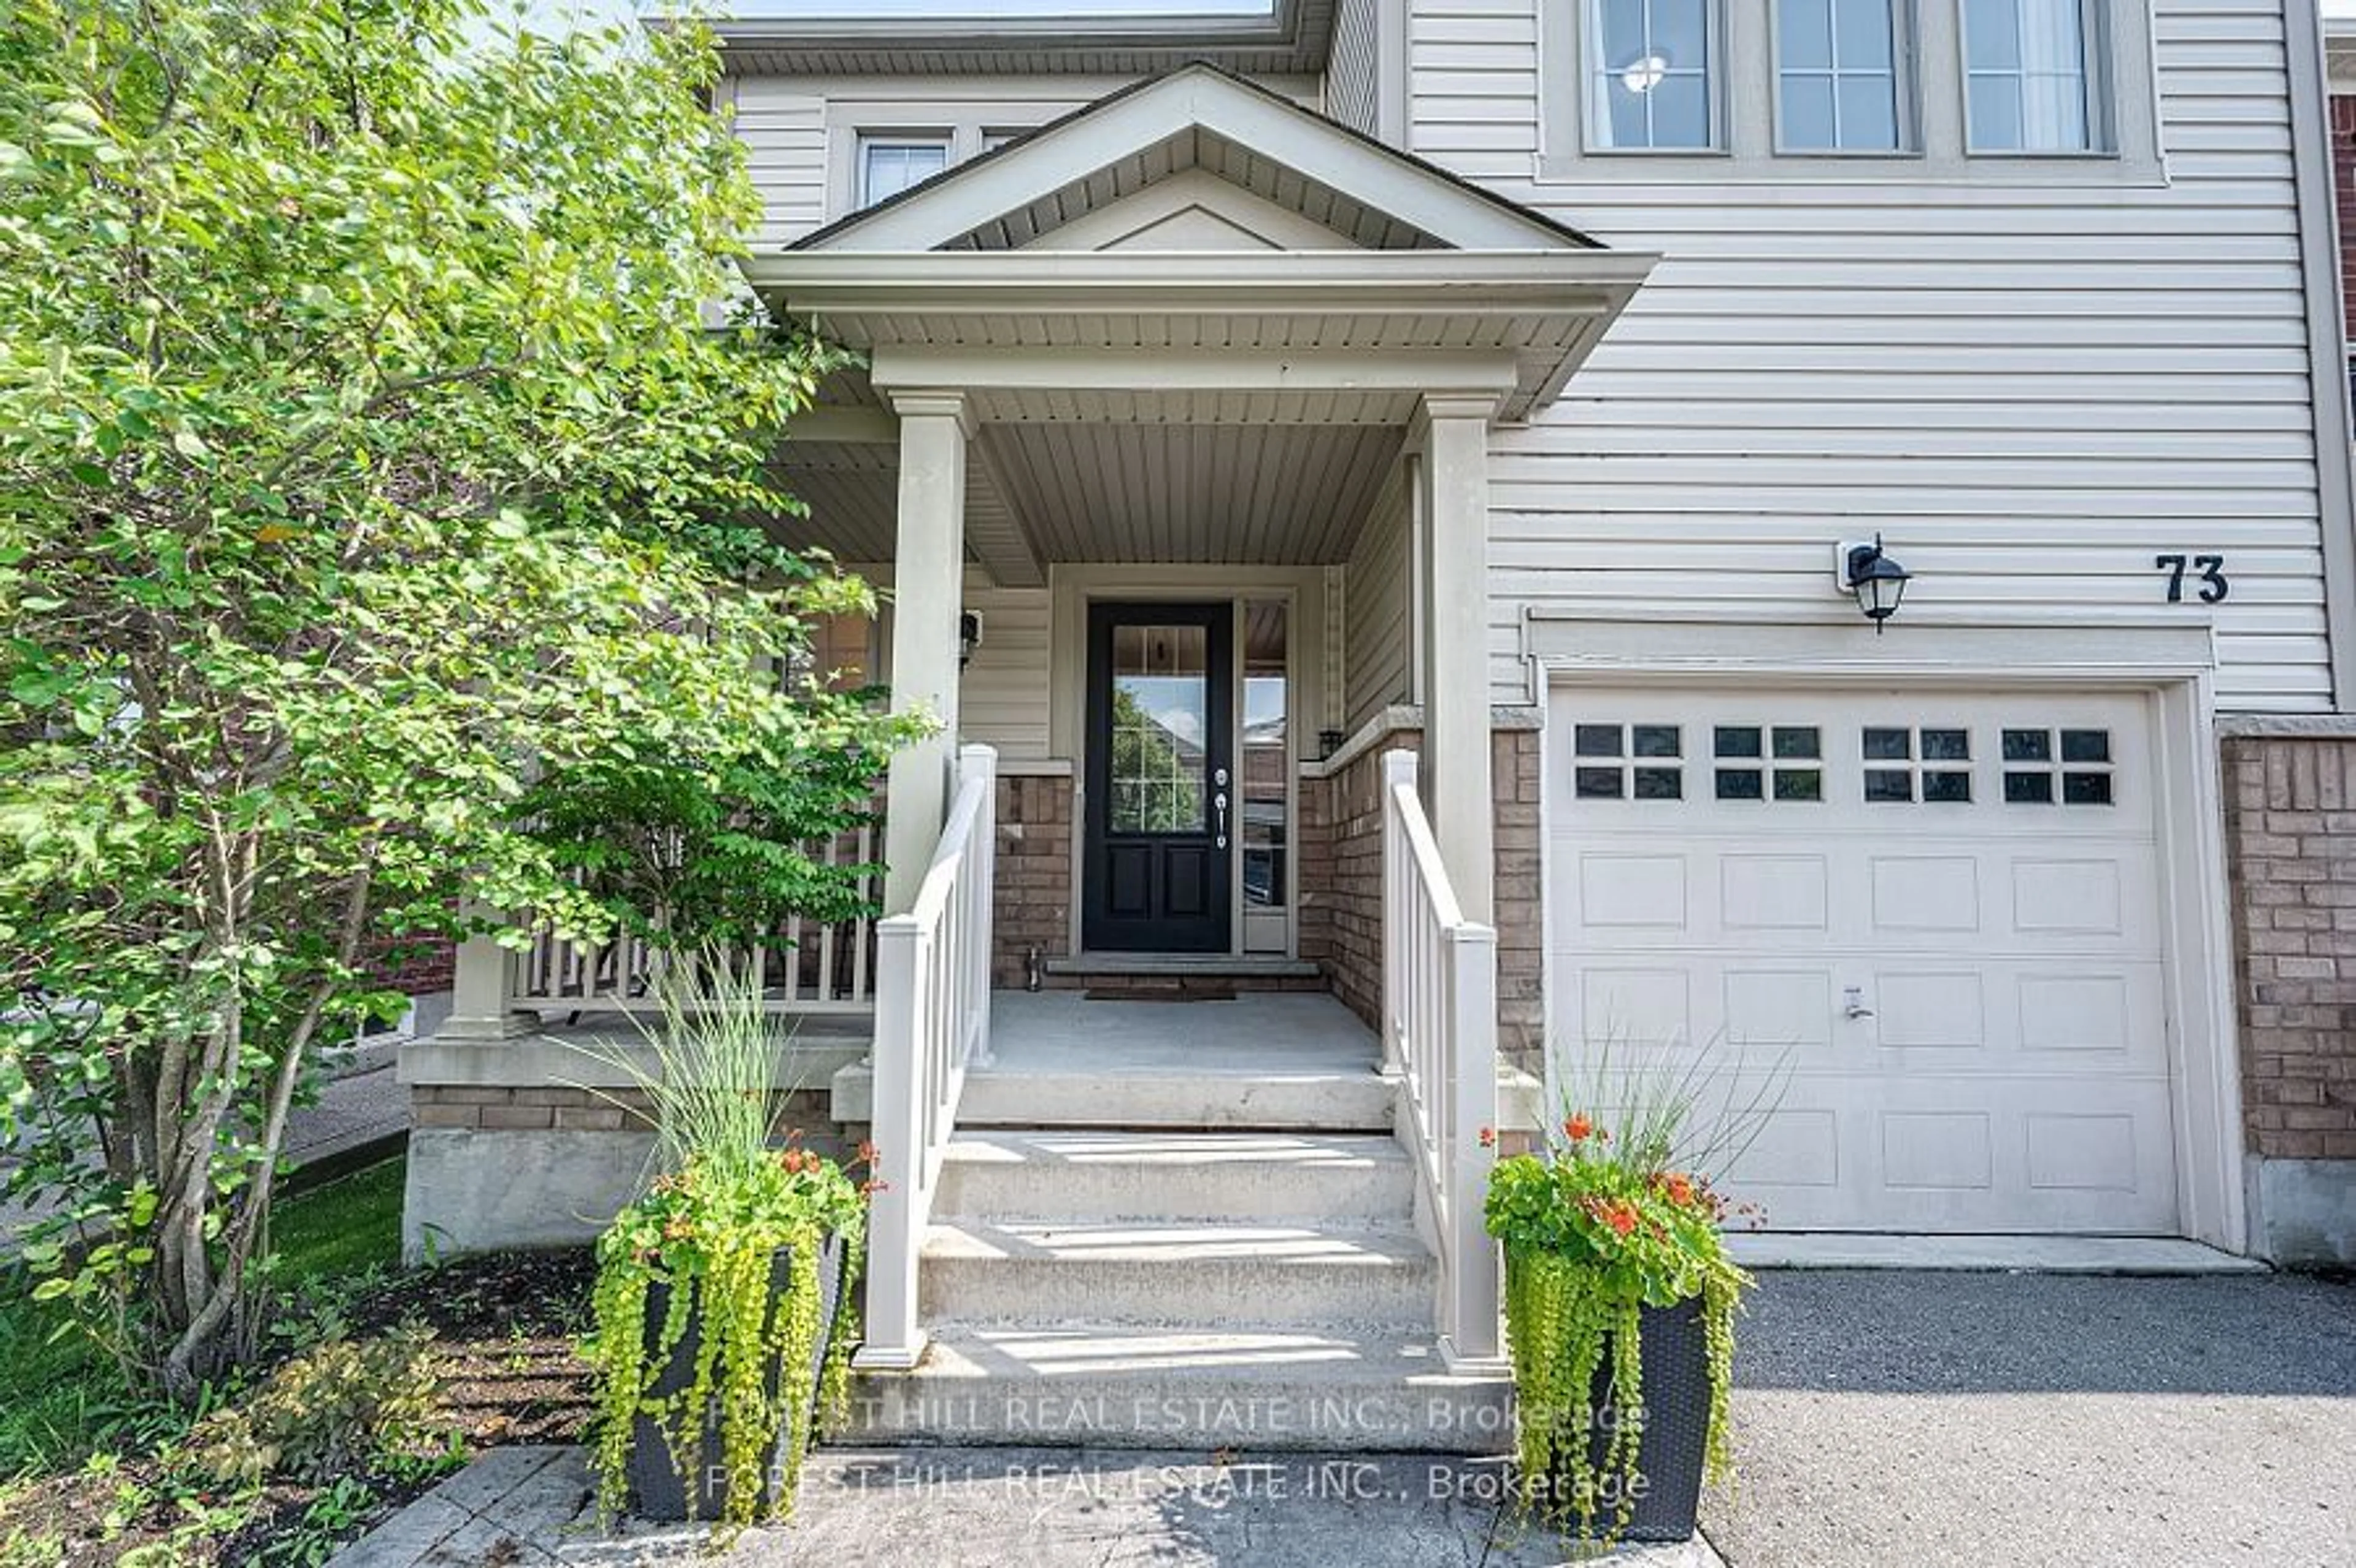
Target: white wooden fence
1440, 1031
932, 1019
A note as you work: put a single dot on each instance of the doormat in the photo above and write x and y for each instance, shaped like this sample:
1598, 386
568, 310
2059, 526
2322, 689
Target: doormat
1193, 994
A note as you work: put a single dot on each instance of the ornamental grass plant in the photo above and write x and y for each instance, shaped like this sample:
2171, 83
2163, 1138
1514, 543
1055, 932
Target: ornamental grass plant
729, 1197
1617, 1213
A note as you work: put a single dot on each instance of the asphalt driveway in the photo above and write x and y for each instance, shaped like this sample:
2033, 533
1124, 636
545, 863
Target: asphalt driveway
1900, 1418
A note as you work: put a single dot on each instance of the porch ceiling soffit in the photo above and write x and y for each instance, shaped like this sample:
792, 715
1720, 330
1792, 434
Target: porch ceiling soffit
844, 466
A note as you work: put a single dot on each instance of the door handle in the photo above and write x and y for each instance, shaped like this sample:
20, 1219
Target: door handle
1219, 803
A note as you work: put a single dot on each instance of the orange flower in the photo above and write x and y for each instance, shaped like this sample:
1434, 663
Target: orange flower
1679, 1187
1575, 1126
1620, 1217
1488, 1137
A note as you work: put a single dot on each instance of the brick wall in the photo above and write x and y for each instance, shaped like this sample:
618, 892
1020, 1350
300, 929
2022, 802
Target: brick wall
2290, 826
1033, 900
1341, 886
414, 968
1520, 893
543, 1108
2343, 182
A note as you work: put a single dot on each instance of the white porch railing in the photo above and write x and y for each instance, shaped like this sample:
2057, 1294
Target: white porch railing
1440, 1032
932, 1018
810, 967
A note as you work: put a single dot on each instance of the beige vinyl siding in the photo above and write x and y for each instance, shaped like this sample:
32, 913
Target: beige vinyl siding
1376, 650
2031, 387
1002, 698
783, 127
1002, 694
1350, 71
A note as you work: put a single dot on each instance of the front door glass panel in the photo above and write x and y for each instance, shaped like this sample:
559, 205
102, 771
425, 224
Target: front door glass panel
1161, 723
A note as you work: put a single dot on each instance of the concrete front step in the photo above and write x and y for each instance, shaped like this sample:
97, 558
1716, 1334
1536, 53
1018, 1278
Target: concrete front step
1306, 1101
1129, 1386
1080, 1175
1163, 1273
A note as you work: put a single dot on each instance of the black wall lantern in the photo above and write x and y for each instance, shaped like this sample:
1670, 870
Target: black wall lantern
968, 636
1877, 581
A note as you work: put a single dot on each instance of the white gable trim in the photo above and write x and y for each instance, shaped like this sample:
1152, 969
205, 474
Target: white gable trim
952, 204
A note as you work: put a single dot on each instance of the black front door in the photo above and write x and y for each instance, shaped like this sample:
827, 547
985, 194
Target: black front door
1161, 712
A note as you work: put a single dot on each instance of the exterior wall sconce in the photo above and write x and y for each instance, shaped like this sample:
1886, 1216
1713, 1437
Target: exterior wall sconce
968, 636
1877, 581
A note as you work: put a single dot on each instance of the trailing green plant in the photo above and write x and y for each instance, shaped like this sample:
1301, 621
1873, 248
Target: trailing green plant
1612, 1218
725, 1204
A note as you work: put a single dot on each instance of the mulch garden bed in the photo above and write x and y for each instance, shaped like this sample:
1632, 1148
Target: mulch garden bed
504, 1327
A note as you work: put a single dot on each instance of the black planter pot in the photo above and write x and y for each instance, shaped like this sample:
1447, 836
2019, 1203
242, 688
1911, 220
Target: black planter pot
1673, 1448
658, 1491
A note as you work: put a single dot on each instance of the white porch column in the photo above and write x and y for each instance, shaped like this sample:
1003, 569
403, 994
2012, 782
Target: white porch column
928, 584
1455, 518
482, 994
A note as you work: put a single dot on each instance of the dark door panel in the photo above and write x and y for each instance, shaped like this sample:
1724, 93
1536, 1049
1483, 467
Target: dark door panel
1159, 813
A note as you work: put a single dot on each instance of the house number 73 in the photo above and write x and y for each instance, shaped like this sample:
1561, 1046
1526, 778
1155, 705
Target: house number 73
2210, 570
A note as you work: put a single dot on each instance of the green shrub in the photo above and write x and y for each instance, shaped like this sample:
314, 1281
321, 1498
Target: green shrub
333, 1408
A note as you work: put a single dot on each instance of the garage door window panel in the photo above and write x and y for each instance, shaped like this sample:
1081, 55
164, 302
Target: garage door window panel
1628, 761
1742, 751
2057, 767
1942, 773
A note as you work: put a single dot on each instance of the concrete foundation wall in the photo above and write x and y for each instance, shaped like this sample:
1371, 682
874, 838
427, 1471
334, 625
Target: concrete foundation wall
2290, 824
529, 1162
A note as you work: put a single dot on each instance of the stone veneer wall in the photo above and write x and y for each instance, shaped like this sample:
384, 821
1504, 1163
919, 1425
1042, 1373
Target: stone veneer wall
1341, 885
1034, 900
2290, 831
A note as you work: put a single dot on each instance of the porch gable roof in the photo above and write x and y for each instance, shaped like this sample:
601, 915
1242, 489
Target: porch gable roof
1198, 213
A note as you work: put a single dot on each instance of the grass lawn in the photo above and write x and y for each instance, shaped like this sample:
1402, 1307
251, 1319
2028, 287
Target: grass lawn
64, 1399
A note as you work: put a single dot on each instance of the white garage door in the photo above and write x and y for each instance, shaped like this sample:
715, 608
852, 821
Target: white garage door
1944, 907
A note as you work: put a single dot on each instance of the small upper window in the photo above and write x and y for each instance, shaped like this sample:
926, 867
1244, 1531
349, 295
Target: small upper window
1837, 76
2028, 82
890, 165
1655, 83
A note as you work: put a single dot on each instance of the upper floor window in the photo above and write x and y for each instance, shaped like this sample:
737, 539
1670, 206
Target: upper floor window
1987, 91
2028, 76
1655, 83
890, 165
1837, 76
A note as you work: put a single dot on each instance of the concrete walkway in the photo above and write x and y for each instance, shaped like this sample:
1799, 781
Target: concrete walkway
1013, 1508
